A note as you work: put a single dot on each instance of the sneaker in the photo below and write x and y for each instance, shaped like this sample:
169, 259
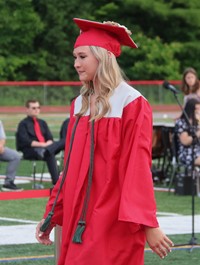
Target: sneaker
10, 187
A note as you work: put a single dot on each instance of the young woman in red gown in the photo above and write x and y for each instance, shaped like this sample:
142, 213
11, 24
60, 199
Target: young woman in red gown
106, 203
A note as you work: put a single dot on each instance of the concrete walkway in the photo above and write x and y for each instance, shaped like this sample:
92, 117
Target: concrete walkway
25, 234
173, 225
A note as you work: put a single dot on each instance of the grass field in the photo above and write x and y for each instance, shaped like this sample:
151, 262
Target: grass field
32, 209
36, 254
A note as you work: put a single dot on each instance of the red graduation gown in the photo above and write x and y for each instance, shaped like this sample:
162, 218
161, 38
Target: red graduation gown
122, 197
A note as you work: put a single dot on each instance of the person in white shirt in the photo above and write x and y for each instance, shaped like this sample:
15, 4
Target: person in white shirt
13, 158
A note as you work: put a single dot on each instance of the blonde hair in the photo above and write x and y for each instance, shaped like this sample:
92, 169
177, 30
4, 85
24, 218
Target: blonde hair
108, 76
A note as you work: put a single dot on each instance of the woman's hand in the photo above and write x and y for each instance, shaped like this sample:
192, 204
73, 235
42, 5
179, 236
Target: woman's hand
43, 237
158, 241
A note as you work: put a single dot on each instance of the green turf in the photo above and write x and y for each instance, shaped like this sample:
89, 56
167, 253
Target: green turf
27, 209
178, 257
32, 209
27, 254
172, 203
34, 254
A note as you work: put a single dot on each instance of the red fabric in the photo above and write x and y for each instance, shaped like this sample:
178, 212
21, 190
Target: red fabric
38, 130
122, 199
109, 37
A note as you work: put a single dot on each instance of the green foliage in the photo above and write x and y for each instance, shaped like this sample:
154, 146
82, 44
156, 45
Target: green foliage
52, 95
37, 37
152, 59
106, 9
17, 37
190, 52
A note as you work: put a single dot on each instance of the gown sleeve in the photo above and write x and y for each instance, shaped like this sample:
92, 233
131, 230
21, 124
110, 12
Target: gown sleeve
137, 204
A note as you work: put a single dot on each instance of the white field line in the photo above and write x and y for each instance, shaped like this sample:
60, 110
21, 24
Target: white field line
17, 220
35, 222
168, 214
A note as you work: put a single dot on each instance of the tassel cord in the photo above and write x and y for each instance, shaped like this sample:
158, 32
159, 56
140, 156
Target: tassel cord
77, 238
87, 196
51, 213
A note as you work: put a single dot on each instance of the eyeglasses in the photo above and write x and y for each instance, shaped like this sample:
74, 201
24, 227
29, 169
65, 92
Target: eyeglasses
34, 108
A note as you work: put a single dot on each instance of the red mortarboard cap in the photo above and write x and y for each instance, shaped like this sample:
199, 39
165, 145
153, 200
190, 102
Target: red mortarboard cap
108, 35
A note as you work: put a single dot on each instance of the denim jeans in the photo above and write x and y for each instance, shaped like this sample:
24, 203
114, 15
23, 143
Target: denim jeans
13, 158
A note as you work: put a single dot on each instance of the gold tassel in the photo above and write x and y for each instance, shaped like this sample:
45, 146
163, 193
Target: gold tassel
78, 233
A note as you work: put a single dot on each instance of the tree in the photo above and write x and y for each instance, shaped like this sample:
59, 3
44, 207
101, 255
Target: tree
17, 36
37, 37
54, 44
164, 25
153, 60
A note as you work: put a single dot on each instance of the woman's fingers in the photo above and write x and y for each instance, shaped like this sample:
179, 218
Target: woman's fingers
42, 237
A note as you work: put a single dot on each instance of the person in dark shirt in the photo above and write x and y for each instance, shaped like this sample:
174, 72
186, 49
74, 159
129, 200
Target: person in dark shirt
63, 129
37, 145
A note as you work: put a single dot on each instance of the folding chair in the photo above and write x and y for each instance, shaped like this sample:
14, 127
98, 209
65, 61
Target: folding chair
37, 185
167, 138
34, 172
162, 151
175, 165
34, 166
157, 153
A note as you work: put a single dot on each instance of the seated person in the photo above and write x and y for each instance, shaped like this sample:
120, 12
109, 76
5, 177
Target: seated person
59, 145
190, 84
63, 129
35, 141
188, 144
13, 158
